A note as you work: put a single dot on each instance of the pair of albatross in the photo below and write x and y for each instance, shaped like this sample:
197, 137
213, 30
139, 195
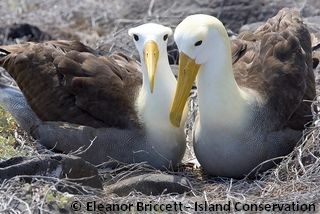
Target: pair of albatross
250, 91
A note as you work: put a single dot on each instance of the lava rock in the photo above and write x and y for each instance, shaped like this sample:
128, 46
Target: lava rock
24, 32
67, 167
151, 184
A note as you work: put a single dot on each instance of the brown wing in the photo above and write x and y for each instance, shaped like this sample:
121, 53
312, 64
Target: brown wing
66, 81
277, 63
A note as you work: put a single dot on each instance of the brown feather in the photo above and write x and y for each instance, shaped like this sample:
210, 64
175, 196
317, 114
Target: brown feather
277, 63
67, 81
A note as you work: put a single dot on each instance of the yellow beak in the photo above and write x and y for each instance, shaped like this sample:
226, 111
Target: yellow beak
151, 56
188, 70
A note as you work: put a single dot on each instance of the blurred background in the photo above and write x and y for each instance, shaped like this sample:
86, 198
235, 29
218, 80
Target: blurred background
103, 24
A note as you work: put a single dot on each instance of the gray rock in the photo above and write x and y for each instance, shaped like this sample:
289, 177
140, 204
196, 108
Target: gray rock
67, 167
151, 184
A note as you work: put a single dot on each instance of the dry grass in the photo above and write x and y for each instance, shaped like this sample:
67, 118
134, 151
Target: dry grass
295, 179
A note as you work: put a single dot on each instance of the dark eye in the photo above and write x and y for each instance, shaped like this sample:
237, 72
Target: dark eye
136, 37
165, 37
198, 43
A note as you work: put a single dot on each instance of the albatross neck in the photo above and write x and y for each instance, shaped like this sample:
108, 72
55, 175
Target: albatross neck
221, 102
154, 107
164, 78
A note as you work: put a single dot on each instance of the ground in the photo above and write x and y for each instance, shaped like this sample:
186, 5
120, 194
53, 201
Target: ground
103, 24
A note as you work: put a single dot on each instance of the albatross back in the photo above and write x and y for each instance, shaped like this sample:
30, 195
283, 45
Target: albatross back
66, 81
276, 61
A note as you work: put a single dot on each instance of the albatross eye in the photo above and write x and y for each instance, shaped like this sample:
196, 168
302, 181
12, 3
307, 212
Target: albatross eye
136, 37
165, 37
198, 43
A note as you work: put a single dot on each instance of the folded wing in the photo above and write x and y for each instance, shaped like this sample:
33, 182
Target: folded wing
67, 81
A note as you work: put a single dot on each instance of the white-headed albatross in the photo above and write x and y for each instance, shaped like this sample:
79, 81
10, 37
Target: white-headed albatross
101, 98
251, 90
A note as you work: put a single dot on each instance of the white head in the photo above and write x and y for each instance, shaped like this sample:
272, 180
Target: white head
196, 37
151, 42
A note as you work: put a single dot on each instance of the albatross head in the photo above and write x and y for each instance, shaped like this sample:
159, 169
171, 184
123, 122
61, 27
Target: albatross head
151, 42
197, 36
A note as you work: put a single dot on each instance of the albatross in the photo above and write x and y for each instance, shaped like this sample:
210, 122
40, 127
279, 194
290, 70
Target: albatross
251, 91
104, 106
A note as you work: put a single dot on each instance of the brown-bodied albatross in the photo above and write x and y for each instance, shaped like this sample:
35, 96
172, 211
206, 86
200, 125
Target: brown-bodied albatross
112, 109
251, 90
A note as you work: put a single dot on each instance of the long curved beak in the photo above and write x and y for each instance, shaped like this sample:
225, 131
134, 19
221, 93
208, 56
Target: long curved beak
188, 70
151, 56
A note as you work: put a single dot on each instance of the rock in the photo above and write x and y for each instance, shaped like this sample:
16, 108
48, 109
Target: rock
151, 184
6, 79
13, 101
24, 32
67, 167
33, 33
